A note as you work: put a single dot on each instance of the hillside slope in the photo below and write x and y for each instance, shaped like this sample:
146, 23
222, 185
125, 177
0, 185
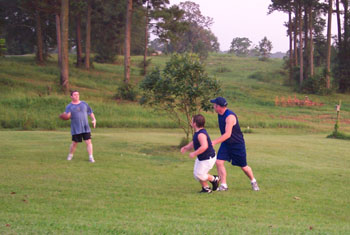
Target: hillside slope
30, 96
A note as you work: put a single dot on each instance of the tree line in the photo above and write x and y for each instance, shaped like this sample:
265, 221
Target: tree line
315, 63
106, 28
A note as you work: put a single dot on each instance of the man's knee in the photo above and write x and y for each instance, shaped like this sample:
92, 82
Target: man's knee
246, 168
220, 163
200, 177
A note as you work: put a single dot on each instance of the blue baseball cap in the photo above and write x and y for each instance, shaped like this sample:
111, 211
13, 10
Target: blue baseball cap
219, 101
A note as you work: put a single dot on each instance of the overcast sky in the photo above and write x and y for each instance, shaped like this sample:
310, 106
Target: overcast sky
237, 18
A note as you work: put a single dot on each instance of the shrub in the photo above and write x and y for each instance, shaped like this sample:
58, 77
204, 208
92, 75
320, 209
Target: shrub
126, 91
222, 70
316, 84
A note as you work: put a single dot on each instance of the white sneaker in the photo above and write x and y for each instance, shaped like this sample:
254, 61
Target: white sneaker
255, 186
91, 159
69, 157
222, 188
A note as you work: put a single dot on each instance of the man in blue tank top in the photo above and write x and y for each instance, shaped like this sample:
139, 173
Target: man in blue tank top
205, 155
232, 147
78, 111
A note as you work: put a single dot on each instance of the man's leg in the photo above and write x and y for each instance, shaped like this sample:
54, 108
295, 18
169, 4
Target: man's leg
220, 166
249, 172
72, 149
89, 150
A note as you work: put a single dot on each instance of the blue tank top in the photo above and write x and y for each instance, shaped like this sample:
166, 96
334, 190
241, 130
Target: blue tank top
207, 154
236, 135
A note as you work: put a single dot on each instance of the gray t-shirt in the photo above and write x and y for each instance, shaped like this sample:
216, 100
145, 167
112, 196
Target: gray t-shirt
79, 117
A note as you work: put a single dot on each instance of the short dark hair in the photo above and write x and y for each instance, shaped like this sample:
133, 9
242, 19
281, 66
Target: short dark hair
199, 120
71, 92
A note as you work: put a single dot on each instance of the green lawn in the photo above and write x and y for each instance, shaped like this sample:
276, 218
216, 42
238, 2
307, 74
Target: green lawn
141, 184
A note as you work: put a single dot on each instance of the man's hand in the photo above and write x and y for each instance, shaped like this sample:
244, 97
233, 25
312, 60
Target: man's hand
192, 155
94, 123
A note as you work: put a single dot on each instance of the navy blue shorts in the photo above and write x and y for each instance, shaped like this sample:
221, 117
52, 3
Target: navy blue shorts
80, 137
234, 153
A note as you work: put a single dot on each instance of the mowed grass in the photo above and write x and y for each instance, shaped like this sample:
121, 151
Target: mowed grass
141, 184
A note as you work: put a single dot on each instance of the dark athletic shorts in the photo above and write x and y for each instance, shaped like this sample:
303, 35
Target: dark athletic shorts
234, 153
80, 137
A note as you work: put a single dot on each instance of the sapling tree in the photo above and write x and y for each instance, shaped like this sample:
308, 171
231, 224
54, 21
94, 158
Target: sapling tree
180, 90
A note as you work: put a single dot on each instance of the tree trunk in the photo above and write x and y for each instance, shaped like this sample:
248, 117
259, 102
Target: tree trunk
64, 47
338, 23
78, 40
39, 36
296, 63
306, 39
146, 41
88, 36
346, 22
58, 34
127, 42
311, 44
329, 27
290, 32
301, 71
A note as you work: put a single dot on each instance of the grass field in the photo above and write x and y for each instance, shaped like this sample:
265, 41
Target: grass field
141, 184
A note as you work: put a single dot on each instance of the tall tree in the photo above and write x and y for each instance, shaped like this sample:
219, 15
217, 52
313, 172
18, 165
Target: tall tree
290, 34
88, 35
329, 28
58, 36
338, 21
39, 36
301, 64
150, 7
127, 41
64, 45
311, 44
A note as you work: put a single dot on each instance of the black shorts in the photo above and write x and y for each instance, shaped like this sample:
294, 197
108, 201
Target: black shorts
80, 137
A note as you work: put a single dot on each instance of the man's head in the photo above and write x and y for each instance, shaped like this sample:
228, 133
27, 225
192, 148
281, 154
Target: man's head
220, 104
74, 95
198, 120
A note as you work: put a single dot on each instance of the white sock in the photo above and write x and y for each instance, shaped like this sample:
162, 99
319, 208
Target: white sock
70, 155
91, 156
253, 180
224, 185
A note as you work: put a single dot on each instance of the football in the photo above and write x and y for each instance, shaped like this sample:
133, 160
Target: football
64, 116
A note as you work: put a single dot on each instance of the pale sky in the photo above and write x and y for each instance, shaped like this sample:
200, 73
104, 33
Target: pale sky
247, 18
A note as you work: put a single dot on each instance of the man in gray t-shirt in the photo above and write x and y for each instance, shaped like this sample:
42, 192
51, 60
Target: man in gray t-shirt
78, 111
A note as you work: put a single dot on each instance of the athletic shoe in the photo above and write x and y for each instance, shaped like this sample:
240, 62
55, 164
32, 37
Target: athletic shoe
215, 182
69, 157
255, 186
205, 190
222, 188
91, 159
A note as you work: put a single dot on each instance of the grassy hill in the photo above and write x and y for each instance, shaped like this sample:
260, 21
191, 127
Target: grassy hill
30, 95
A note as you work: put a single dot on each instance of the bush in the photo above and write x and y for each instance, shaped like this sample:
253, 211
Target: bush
223, 70
316, 84
126, 91
339, 135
